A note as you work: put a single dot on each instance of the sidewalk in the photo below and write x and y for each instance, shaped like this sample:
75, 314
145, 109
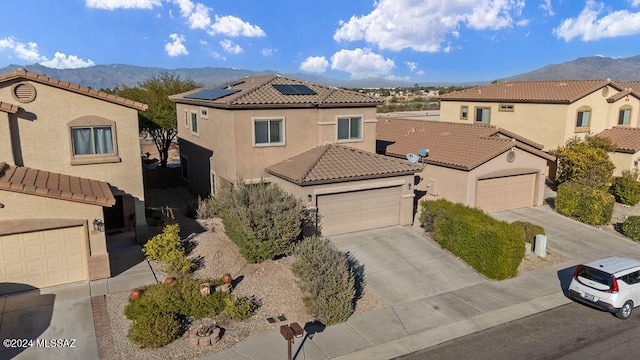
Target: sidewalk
436, 317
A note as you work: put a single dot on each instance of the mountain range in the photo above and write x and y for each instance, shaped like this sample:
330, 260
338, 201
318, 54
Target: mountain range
118, 75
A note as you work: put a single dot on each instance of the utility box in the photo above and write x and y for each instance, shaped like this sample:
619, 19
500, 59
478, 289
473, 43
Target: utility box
540, 245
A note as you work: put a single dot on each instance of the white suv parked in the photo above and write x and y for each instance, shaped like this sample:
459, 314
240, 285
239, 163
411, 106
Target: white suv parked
611, 284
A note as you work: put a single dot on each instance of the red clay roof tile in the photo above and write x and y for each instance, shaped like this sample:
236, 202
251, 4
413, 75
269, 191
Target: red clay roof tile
626, 139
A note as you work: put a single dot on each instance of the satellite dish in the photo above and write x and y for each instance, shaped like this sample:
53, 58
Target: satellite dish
423, 152
413, 158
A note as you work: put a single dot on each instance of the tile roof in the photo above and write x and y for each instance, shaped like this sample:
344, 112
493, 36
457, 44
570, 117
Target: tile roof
259, 92
43, 79
626, 139
543, 91
58, 186
455, 145
8, 108
332, 163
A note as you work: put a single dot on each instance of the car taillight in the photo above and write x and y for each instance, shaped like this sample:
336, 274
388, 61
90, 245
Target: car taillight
575, 272
614, 286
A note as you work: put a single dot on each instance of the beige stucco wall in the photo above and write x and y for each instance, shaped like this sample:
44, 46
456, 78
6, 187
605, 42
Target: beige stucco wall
459, 186
406, 194
18, 206
548, 124
5, 138
229, 133
624, 161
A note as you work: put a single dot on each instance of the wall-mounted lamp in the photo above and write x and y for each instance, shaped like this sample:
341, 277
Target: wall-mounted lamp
98, 225
409, 186
309, 197
1, 206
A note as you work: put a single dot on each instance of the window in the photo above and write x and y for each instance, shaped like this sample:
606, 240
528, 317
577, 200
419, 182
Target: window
506, 107
186, 118
213, 183
194, 122
92, 140
268, 131
583, 118
184, 167
204, 113
482, 115
350, 128
464, 112
625, 117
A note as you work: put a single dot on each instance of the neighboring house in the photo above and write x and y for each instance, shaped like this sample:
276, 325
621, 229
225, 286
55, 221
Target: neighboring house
477, 165
627, 153
70, 157
318, 142
548, 112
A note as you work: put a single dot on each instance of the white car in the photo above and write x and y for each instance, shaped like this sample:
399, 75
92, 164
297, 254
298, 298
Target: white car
611, 284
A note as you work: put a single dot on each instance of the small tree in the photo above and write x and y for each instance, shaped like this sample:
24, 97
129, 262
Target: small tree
585, 161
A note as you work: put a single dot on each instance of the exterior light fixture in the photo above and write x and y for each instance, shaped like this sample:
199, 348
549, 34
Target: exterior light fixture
98, 225
309, 197
409, 185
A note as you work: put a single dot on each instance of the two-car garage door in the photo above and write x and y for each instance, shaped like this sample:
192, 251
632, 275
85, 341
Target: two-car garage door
505, 193
44, 258
359, 210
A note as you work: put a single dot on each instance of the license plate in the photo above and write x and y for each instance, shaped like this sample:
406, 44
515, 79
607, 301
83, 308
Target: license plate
589, 297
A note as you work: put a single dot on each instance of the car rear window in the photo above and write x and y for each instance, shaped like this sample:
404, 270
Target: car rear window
595, 275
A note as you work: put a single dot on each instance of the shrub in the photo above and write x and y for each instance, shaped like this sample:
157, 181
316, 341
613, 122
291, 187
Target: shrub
631, 227
530, 230
627, 188
584, 203
240, 308
325, 278
168, 248
494, 248
261, 219
155, 331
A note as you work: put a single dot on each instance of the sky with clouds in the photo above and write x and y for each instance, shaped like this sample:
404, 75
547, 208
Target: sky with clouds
412, 40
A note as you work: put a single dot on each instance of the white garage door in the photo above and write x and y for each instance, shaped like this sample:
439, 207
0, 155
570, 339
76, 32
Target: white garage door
359, 210
506, 193
44, 258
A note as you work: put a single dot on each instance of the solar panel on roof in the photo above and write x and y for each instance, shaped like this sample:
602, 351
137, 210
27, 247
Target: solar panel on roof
216, 92
294, 89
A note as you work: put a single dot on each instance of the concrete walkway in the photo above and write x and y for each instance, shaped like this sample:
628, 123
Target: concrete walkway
434, 297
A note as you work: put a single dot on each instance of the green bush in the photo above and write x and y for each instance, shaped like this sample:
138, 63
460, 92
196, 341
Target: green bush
627, 188
155, 331
181, 299
494, 248
631, 227
530, 230
261, 219
584, 203
168, 248
325, 278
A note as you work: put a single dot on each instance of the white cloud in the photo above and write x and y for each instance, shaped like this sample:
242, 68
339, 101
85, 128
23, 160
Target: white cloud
230, 47
412, 65
548, 9
234, 26
29, 53
268, 51
315, 64
176, 47
635, 2
588, 27
424, 25
122, 4
62, 61
361, 63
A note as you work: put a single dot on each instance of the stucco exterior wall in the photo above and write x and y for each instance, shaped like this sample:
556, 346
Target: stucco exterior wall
624, 161
19, 206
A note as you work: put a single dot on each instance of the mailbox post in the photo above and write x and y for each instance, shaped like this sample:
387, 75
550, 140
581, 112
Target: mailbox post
288, 332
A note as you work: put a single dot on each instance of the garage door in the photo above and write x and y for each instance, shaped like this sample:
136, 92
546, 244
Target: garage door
44, 258
359, 210
506, 193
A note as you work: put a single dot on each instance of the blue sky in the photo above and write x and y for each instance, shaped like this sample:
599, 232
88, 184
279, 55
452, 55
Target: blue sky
412, 40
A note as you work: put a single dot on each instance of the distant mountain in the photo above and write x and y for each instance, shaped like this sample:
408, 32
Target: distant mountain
593, 67
116, 75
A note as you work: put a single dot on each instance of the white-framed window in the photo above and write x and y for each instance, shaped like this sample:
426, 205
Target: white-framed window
483, 114
350, 128
186, 118
204, 113
624, 117
464, 112
583, 119
92, 140
506, 107
194, 122
268, 131
213, 183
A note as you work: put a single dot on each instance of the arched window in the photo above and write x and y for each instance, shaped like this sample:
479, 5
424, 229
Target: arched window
93, 140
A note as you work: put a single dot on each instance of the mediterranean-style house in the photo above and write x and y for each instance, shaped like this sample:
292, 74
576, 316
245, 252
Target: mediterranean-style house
316, 141
478, 165
548, 112
70, 171
627, 153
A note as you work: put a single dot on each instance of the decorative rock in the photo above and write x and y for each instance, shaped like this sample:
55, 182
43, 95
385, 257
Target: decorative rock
135, 294
205, 289
227, 279
169, 280
224, 288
